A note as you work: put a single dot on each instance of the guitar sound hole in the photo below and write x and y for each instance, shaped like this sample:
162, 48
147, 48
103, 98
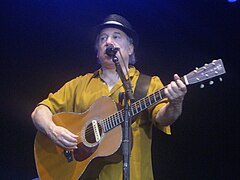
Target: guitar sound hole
89, 133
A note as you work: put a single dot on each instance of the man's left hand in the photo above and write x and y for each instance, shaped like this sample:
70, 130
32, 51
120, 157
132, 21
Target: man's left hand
175, 91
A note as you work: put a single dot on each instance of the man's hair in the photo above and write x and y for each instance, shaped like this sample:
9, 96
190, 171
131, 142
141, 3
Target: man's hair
132, 59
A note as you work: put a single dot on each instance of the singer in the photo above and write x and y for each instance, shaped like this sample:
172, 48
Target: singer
114, 35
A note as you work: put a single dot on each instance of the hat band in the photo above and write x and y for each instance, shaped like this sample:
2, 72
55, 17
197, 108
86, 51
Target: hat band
113, 22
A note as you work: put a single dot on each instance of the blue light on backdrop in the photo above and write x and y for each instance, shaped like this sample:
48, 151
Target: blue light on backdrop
232, 1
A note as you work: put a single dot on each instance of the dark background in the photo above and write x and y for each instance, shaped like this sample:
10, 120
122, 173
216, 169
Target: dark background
46, 43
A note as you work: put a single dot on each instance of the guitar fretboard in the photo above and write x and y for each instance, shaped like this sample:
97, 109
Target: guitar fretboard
136, 107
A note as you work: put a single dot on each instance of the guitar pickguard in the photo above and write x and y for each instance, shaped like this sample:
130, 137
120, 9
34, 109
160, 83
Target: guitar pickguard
83, 152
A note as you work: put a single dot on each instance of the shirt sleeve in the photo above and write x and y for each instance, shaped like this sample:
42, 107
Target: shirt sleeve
63, 99
155, 85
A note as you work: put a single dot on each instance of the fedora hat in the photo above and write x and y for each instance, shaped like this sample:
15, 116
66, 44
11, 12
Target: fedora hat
119, 22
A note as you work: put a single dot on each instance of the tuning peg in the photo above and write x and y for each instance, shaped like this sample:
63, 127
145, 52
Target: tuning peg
211, 82
220, 79
202, 86
196, 70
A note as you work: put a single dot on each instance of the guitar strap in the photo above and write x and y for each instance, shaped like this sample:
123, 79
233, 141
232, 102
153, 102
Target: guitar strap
141, 90
142, 86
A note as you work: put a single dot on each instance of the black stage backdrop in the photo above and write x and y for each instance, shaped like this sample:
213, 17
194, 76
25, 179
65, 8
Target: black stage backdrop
46, 43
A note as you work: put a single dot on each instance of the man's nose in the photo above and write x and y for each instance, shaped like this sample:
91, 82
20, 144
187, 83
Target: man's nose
109, 40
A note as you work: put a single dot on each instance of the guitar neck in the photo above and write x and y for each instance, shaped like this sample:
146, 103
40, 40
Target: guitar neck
148, 101
135, 108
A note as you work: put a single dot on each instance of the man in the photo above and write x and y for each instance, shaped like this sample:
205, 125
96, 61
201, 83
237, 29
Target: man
80, 93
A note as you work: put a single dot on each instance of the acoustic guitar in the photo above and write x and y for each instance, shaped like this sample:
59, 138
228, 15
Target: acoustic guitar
100, 132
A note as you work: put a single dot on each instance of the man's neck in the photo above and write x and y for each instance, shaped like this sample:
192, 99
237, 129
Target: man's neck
110, 76
111, 73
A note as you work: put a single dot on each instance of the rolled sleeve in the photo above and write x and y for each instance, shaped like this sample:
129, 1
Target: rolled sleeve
63, 99
155, 85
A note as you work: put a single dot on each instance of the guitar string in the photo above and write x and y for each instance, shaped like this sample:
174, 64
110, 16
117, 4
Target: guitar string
89, 131
112, 118
136, 105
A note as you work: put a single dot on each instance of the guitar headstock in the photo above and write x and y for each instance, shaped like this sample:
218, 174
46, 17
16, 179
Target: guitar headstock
208, 71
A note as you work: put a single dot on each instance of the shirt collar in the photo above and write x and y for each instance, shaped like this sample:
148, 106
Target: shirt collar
132, 71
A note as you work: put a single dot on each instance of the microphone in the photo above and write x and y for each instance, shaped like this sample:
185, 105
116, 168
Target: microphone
111, 50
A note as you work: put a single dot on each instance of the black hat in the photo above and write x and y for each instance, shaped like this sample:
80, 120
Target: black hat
119, 22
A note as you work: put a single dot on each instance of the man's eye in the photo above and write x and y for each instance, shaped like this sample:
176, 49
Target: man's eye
116, 37
103, 38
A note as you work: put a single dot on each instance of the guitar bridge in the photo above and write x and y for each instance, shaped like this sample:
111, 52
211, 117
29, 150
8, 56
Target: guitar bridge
68, 155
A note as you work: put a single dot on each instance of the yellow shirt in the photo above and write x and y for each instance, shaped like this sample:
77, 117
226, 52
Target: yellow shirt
80, 93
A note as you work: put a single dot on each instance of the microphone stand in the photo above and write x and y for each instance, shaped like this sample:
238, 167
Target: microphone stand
126, 143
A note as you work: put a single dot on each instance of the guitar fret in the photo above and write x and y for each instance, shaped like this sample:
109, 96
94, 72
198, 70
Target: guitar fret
122, 116
113, 121
132, 110
149, 100
156, 97
108, 125
135, 110
103, 125
160, 95
155, 100
139, 107
113, 118
111, 125
135, 107
145, 102
117, 120
119, 117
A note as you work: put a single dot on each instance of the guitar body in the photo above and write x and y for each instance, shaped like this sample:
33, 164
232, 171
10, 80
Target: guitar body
53, 162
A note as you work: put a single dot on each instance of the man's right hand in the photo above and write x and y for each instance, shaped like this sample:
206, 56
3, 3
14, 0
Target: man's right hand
42, 119
63, 137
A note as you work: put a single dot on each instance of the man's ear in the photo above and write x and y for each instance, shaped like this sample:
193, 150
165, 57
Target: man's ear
130, 49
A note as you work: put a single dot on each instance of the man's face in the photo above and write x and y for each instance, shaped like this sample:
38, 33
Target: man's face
118, 39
